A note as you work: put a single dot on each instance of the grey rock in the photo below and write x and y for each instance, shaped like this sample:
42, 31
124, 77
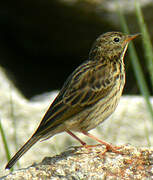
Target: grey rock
93, 164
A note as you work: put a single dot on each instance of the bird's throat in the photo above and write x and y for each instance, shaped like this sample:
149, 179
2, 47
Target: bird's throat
123, 53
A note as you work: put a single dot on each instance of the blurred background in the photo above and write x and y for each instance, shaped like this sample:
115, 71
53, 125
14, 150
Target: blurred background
42, 42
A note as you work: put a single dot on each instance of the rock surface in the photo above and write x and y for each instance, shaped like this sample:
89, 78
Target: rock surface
81, 163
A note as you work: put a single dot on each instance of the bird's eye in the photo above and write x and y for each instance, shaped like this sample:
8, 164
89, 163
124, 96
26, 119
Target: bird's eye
116, 39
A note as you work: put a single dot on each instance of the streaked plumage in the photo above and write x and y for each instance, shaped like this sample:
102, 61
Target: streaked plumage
90, 94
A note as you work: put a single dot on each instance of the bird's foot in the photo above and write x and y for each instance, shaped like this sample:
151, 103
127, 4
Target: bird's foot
90, 146
110, 148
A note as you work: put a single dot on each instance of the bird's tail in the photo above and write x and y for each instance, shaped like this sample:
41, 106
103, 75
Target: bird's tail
23, 150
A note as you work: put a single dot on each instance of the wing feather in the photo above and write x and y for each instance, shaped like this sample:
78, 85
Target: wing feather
81, 90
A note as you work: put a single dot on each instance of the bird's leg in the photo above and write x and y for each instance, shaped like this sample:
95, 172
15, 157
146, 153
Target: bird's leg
109, 147
82, 142
73, 135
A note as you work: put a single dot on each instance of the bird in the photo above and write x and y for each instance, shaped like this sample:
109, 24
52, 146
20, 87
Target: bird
89, 95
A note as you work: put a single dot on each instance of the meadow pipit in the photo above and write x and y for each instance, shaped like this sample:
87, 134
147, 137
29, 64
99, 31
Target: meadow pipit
90, 94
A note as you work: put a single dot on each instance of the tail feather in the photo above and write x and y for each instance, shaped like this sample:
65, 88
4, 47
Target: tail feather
23, 150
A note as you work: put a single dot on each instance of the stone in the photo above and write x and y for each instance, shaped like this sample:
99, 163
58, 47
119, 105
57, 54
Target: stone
94, 163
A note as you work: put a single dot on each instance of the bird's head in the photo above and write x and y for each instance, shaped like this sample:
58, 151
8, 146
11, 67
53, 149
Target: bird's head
110, 45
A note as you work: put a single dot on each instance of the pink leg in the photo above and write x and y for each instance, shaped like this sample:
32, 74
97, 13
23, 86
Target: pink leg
73, 135
108, 146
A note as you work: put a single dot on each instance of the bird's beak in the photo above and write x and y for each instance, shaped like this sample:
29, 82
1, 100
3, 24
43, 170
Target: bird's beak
130, 37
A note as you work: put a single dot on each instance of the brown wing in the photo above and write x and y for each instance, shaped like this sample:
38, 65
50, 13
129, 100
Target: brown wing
84, 87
